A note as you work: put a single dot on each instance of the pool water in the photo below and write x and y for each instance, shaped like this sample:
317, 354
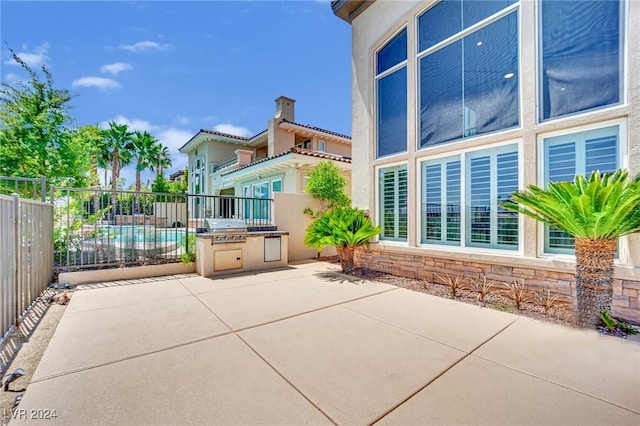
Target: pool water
139, 233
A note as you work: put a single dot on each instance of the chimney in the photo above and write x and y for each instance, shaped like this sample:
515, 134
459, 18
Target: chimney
285, 109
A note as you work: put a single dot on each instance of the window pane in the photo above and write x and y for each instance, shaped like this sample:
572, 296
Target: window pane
601, 154
449, 17
392, 113
507, 184
441, 115
403, 217
433, 203
470, 87
580, 56
561, 162
480, 200
393, 53
276, 186
453, 201
491, 77
474, 11
578, 153
393, 203
441, 202
439, 23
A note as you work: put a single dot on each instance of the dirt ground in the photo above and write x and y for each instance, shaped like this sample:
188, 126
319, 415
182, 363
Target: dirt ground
24, 347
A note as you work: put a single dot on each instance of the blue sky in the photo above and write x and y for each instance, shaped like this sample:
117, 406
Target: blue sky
174, 67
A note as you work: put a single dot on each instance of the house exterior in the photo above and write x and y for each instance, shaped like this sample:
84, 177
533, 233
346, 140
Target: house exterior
277, 159
456, 104
271, 165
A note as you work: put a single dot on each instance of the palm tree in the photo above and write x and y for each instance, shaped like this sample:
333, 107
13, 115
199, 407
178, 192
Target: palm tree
118, 143
146, 148
162, 160
344, 228
595, 211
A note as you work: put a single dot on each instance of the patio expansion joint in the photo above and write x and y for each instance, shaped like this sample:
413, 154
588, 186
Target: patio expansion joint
572, 389
293, 386
142, 302
442, 373
130, 357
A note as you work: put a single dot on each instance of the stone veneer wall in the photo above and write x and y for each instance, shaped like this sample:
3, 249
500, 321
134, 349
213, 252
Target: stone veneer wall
626, 293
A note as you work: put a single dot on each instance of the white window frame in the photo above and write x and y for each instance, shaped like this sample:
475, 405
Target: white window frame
462, 154
377, 200
443, 188
322, 146
624, 68
444, 43
623, 163
378, 77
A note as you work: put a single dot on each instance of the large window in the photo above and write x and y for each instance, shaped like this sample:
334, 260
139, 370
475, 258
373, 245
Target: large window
581, 56
393, 202
491, 177
468, 74
577, 154
391, 84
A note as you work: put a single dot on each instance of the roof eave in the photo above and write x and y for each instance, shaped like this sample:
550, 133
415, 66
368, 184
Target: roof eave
348, 10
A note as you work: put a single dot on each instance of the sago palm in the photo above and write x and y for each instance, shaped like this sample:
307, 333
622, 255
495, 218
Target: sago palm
344, 228
595, 211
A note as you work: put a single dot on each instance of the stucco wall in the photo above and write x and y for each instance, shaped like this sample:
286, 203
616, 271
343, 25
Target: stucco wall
289, 217
373, 27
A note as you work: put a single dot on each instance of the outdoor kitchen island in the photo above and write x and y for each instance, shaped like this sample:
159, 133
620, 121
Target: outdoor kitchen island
221, 253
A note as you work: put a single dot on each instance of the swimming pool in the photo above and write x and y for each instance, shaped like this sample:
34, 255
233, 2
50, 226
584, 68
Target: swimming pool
141, 233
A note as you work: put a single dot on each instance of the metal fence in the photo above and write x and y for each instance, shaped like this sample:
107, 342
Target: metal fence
105, 228
32, 188
256, 212
26, 255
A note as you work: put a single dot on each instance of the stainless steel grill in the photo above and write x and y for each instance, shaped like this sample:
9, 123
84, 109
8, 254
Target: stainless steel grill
227, 230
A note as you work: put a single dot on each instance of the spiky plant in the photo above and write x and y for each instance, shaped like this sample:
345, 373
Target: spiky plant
455, 284
344, 228
595, 211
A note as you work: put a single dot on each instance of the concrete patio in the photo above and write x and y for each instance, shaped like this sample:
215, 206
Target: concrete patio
308, 345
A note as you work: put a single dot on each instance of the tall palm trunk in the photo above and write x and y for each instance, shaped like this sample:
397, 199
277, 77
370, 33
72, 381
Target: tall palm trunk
115, 170
594, 278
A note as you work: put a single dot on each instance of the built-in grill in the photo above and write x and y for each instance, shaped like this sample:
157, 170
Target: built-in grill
227, 230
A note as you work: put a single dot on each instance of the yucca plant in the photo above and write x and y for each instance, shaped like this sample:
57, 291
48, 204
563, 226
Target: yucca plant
344, 228
595, 211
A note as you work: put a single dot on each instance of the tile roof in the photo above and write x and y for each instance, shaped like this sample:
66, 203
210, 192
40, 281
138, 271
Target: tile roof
317, 129
294, 150
324, 155
227, 135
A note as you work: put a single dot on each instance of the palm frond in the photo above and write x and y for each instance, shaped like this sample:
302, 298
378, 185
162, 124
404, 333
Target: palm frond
343, 227
604, 206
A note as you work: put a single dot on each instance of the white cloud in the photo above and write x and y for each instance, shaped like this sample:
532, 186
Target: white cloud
35, 58
12, 78
233, 130
142, 46
98, 82
133, 124
116, 68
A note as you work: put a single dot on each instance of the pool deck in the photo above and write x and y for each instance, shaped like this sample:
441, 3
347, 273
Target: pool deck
308, 345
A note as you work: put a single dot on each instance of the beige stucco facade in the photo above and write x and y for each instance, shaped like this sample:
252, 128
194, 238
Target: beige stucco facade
374, 24
218, 162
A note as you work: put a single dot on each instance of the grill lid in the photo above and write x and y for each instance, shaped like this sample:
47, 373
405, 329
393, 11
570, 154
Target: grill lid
226, 225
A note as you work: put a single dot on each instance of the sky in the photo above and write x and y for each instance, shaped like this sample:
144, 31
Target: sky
174, 67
